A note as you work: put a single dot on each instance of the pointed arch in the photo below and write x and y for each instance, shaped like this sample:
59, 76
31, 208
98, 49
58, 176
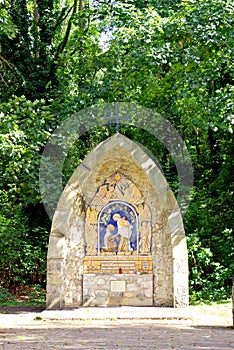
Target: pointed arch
155, 205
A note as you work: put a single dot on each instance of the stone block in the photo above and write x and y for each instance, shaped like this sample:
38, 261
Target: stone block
52, 302
60, 220
129, 295
101, 281
88, 301
54, 279
149, 293
99, 301
56, 248
140, 295
115, 301
75, 234
89, 293
67, 198
118, 286
148, 285
131, 287
101, 293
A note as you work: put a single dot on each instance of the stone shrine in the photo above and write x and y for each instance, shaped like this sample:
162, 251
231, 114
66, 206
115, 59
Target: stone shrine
117, 235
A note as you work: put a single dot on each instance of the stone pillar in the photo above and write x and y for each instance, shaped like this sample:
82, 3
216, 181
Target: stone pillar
180, 259
180, 272
55, 272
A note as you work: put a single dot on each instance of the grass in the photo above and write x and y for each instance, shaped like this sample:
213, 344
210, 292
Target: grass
211, 303
26, 296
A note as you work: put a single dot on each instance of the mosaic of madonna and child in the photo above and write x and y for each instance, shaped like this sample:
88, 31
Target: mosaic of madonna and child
118, 229
118, 221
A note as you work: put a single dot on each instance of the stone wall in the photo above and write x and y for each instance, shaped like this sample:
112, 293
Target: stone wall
117, 290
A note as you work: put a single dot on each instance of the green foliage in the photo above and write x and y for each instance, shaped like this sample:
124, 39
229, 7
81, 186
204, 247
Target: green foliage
37, 295
25, 127
24, 259
7, 28
5, 296
30, 296
208, 279
30, 57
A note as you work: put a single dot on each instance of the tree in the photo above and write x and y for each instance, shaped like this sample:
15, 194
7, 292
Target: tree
32, 46
25, 127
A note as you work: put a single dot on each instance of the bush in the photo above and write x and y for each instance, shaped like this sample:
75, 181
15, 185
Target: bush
208, 279
23, 257
5, 296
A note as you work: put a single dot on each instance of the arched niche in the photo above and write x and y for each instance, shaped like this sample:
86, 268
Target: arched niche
118, 229
156, 269
118, 220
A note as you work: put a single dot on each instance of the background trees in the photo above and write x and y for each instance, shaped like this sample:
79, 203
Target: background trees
173, 56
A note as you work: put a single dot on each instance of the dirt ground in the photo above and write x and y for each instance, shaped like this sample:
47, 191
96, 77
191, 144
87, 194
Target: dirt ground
210, 329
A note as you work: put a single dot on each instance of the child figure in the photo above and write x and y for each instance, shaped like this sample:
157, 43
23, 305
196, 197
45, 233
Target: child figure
109, 237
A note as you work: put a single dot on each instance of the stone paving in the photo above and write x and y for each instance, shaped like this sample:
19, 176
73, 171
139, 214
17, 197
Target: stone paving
122, 328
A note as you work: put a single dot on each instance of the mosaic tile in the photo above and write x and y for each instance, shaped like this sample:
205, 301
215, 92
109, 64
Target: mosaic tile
118, 221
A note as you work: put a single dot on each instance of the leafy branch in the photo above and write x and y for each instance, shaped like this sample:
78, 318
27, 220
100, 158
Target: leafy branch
13, 70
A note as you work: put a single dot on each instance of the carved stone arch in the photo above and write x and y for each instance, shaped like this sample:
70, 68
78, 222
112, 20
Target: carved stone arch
67, 255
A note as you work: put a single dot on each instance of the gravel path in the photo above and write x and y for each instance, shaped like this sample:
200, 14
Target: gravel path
209, 329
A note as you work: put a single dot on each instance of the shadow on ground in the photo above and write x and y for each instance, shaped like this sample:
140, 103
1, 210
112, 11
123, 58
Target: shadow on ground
21, 309
116, 335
